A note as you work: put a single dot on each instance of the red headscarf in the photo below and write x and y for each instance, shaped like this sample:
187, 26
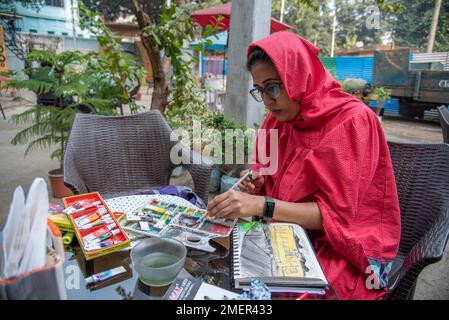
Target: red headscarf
334, 152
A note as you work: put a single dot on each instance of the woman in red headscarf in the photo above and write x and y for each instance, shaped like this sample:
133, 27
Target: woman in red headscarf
334, 175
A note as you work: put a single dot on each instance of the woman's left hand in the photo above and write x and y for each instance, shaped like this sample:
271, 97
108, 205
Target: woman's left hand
235, 204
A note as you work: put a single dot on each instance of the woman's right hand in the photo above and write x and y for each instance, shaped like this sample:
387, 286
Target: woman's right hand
253, 186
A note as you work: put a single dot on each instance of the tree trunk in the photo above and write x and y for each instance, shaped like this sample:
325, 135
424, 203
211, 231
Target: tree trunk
161, 86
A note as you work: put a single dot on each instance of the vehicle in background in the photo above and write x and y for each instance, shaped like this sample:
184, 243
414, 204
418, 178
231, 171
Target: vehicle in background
420, 84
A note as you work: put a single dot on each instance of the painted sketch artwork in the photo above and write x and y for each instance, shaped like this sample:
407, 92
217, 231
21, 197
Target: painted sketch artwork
279, 254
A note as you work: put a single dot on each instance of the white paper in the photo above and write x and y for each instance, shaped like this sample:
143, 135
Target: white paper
12, 250
214, 293
25, 232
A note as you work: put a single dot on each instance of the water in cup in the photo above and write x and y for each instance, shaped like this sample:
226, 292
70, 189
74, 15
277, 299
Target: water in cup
159, 260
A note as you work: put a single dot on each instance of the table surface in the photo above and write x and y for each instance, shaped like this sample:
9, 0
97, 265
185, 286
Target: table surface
213, 268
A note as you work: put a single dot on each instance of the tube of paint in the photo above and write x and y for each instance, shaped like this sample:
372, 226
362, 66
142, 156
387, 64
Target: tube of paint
157, 209
96, 223
105, 236
80, 206
105, 275
98, 233
81, 221
101, 245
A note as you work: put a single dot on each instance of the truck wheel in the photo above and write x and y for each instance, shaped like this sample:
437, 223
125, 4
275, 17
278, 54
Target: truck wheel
409, 110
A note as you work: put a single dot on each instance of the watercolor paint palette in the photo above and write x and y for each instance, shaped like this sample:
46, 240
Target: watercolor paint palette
189, 224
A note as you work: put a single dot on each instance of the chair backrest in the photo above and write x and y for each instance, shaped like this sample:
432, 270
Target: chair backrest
444, 121
422, 179
115, 154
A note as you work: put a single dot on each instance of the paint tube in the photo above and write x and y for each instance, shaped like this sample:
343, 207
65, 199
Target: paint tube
156, 209
105, 275
105, 236
163, 221
98, 233
104, 220
144, 226
80, 206
101, 245
81, 221
150, 219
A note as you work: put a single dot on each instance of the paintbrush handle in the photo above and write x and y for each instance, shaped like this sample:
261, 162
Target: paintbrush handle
238, 182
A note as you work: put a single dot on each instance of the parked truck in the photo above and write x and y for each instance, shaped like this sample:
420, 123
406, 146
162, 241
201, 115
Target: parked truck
418, 85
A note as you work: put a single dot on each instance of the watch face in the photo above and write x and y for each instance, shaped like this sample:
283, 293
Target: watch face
269, 208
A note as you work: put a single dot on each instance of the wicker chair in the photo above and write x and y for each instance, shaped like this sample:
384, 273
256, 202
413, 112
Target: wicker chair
444, 121
422, 178
124, 154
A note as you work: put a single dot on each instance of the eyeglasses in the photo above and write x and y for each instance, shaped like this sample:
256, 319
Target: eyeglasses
272, 90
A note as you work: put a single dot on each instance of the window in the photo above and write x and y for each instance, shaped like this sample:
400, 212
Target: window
65, 34
55, 3
51, 32
33, 30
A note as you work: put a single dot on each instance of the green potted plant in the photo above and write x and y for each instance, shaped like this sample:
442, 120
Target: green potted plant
62, 77
70, 82
381, 95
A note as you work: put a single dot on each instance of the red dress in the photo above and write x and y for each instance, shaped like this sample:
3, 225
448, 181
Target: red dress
334, 153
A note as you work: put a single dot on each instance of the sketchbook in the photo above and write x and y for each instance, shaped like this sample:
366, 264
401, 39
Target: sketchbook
279, 254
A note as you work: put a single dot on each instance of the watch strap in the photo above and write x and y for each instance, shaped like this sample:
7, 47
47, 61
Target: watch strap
268, 211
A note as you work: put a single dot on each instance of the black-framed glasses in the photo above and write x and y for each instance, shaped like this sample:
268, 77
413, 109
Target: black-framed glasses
272, 90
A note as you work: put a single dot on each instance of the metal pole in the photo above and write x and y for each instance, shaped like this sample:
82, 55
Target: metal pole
333, 33
282, 10
74, 26
433, 27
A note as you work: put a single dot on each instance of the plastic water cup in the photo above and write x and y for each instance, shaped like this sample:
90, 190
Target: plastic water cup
158, 261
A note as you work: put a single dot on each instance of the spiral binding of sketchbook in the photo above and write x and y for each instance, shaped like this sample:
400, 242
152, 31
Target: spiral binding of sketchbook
235, 267
279, 254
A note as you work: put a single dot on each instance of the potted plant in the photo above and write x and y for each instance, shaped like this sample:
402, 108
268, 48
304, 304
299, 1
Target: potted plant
70, 82
62, 77
381, 95
227, 173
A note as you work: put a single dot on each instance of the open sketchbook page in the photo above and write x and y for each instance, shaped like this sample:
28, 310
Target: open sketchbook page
275, 250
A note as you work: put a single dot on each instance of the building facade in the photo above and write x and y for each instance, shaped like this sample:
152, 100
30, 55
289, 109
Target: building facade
51, 27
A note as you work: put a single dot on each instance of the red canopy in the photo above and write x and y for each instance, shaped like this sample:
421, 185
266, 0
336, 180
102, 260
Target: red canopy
208, 16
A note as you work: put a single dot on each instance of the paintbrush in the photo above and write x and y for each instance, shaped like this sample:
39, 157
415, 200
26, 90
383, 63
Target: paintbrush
248, 174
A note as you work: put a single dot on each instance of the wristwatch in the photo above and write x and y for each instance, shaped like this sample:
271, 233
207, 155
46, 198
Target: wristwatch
268, 210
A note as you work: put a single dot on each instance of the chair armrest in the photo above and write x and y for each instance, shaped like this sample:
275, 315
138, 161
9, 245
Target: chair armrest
430, 248
200, 168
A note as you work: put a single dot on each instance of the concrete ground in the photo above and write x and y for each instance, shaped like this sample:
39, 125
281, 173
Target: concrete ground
16, 170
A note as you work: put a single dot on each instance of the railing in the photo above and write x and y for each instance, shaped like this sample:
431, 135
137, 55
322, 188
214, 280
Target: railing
214, 66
